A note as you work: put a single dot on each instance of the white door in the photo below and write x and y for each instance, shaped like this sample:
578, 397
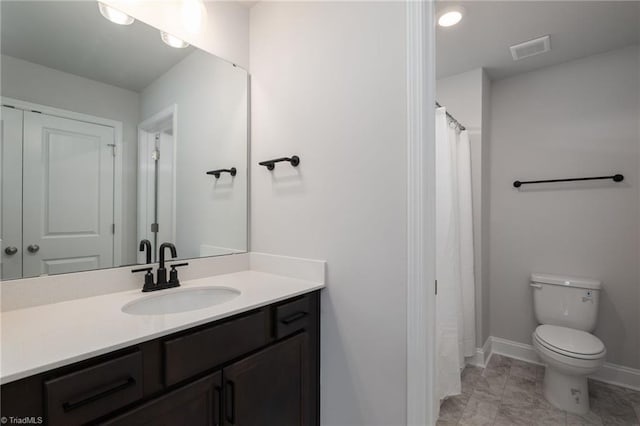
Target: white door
11, 194
68, 195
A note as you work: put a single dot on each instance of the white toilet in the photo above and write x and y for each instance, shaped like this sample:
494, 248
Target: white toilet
567, 309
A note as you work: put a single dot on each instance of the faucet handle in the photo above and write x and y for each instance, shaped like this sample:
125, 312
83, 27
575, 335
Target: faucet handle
173, 274
149, 285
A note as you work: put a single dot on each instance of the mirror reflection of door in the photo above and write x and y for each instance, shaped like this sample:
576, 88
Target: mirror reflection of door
156, 177
11, 190
67, 194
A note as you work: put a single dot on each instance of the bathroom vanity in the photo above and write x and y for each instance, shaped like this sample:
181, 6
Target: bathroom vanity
98, 136
253, 360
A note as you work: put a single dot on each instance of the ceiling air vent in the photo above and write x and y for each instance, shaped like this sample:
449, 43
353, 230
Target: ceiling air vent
531, 48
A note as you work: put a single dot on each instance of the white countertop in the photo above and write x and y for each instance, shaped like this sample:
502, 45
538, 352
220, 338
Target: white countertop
45, 337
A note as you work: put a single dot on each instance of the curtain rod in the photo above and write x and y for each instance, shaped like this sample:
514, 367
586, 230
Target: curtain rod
452, 118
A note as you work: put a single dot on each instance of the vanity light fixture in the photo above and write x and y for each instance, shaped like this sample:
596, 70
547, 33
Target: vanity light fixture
450, 17
114, 15
173, 41
194, 15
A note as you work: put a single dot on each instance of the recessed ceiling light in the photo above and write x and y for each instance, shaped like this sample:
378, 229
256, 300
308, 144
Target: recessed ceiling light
173, 41
450, 18
114, 15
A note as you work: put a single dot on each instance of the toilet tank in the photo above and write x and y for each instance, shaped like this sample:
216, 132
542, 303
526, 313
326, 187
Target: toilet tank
566, 301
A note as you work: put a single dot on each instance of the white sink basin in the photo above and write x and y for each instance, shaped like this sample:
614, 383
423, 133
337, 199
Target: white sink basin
181, 300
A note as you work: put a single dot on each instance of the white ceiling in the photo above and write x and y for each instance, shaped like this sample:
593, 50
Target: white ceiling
488, 28
132, 56
72, 36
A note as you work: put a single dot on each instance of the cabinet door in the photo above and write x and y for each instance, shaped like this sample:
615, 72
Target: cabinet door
269, 387
195, 404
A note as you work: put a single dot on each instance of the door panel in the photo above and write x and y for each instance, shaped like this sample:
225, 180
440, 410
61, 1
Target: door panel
270, 387
68, 195
62, 266
71, 182
11, 193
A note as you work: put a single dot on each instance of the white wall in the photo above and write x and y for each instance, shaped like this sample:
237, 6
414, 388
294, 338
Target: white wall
579, 118
225, 33
465, 97
461, 94
211, 98
329, 84
46, 86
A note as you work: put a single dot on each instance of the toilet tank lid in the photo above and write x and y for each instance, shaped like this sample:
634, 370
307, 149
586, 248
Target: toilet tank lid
566, 281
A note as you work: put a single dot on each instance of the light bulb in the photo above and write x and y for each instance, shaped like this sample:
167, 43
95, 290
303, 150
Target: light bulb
173, 41
114, 15
193, 14
450, 18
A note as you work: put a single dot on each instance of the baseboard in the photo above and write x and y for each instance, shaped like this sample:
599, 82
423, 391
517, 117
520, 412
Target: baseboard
619, 375
609, 373
481, 357
513, 349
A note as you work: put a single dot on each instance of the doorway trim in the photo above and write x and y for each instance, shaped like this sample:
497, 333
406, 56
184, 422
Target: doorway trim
421, 299
169, 112
118, 168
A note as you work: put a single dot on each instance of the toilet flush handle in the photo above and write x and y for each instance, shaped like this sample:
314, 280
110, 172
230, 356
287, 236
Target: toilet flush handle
535, 285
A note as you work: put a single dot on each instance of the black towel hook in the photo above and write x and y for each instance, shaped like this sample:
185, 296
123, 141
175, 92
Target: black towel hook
271, 164
232, 171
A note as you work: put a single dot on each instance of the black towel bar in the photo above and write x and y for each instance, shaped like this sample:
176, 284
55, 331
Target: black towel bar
616, 178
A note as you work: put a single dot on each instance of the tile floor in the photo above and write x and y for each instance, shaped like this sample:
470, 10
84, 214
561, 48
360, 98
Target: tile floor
508, 392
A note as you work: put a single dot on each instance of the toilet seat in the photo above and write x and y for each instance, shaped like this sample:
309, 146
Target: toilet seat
569, 342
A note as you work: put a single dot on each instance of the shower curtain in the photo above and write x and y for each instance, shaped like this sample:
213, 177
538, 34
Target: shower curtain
455, 302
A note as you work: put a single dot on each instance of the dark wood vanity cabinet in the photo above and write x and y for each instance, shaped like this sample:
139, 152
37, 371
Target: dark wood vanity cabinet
271, 384
197, 403
256, 368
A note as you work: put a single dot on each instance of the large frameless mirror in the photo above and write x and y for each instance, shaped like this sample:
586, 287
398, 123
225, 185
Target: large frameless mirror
113, 134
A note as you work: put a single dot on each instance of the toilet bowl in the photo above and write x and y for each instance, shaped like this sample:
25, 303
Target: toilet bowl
570, 356
567, 308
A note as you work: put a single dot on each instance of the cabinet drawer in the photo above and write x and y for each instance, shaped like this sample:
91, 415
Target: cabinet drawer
87, 394
200, 351
292, 316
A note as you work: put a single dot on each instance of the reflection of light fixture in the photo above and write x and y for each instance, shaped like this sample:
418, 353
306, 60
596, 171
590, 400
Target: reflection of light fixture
173, 41
114, 15
450, 17
193, 13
